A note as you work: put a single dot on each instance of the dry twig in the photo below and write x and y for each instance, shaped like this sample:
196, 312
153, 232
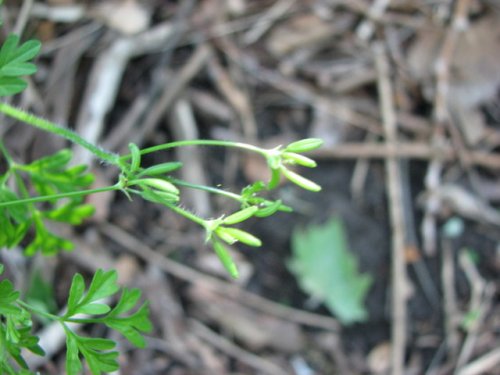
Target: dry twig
480, 303
393, 177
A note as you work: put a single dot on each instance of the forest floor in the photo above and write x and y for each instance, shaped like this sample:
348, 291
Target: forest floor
404, 95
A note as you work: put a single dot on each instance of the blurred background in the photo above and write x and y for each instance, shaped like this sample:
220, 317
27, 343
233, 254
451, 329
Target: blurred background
392, 268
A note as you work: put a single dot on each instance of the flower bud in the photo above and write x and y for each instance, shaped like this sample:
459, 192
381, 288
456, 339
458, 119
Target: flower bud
159, 184
162, 168
161, 197
135, 154
225, 236
240, 216
240, 235
226, 259
304, 145
269, 210
299, 159
301, 181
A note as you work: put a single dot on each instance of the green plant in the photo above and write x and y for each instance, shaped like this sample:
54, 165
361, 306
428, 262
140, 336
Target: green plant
50, 189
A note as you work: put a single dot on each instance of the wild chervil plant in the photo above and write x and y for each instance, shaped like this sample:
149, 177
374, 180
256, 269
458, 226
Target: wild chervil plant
62, 189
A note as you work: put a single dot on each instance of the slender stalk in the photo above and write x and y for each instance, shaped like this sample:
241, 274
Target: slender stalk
71, 194
53, 128
6, 154
187, 215
201, 142
209, 189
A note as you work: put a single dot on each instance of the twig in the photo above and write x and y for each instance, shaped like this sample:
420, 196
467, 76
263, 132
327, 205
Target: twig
303, 93
23, 16
59, 91
166, 307
407, 150
451, 312
442, 116
252, 360
359, 174
393, 177
62, 13
173, 89
264, 23
366, 28
432, 204
412, 244
236, 96
105, 78
184, 128
480, 302
121, 131
483, 364
442, 67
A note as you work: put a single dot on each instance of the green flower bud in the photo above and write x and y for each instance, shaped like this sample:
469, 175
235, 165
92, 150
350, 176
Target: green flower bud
240, 216
294, 158
226, 259
162, 168
301, 181
161, 197
223, 234
159, 184
304, 145
241, 235
135, 154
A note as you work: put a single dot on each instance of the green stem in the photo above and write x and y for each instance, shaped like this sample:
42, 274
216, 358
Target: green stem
53, 128
47, 315
201, 142
83, 320
6, 154
187, 215
71, 194
209, 189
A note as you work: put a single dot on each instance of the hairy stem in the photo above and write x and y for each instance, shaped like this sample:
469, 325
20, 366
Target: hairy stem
53, 128
187, 215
